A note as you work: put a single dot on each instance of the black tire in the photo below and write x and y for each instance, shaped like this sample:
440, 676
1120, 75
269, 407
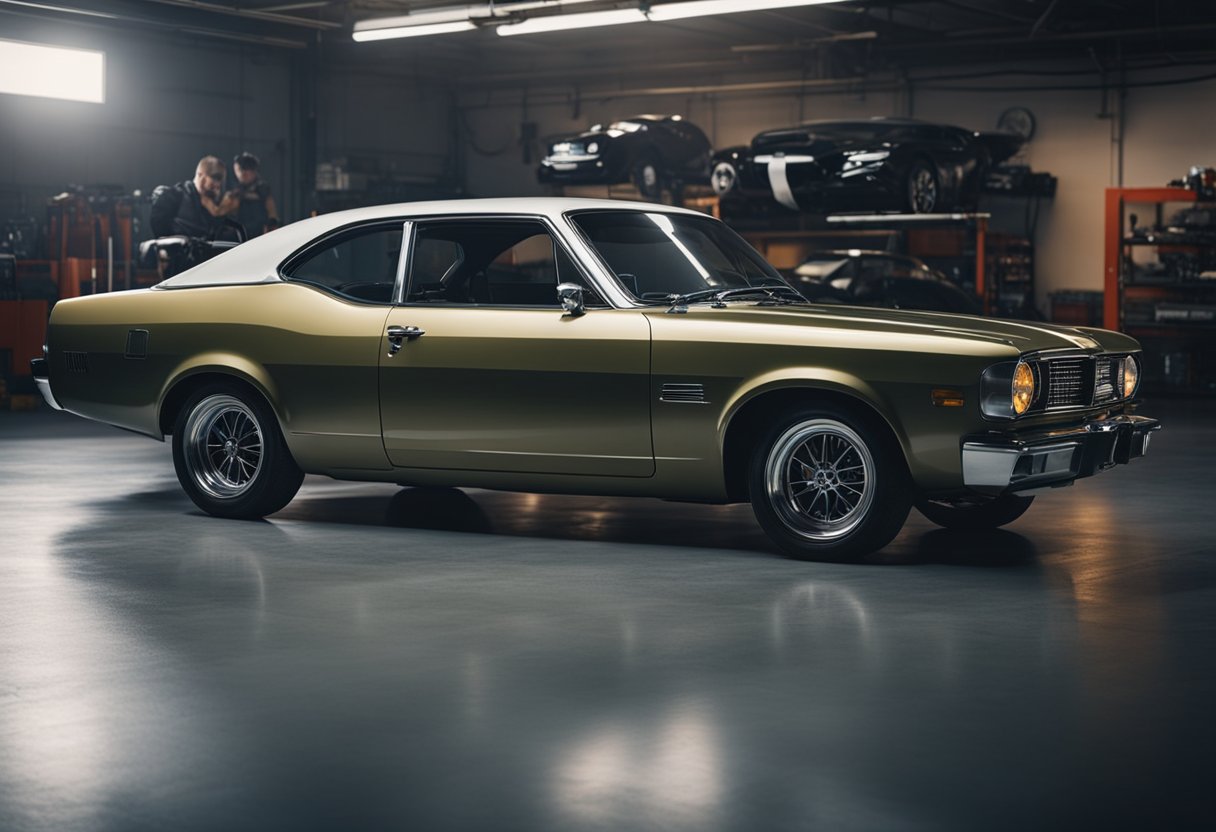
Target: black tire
648, 177
854, 445
922, 191
975, 515
230, 456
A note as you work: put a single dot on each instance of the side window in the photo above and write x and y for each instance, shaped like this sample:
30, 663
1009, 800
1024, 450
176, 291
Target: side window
524, 274
360, 264
489, 263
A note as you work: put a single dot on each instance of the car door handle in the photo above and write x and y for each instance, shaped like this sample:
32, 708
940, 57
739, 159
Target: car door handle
397, 334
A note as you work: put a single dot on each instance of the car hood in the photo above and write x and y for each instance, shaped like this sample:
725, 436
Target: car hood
937, 330
578, 140
808, 140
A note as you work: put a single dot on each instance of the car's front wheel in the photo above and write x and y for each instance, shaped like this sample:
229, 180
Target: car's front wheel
975, 514
828, 484
230, 455
648, 177
923, 192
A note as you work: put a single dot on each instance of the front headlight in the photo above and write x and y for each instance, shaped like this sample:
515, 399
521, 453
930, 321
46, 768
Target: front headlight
593, 149
1007, 390
1023, 388
1131, 376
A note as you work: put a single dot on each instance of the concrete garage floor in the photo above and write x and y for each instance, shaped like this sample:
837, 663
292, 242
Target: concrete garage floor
372, 658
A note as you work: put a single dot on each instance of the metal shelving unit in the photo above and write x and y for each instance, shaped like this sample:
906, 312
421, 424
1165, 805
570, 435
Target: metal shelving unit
1151, 299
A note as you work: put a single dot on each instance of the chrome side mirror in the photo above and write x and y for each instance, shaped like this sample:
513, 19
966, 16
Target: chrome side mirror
571, 297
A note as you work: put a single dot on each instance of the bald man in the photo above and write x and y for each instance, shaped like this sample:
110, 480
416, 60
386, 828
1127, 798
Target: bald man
194, 207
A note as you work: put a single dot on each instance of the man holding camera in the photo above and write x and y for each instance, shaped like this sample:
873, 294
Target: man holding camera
254, 205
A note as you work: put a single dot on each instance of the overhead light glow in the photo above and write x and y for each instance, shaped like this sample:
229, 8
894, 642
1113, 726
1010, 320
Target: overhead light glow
462, 19
583, 20
52, 72
411, 25
413, 31
704, 8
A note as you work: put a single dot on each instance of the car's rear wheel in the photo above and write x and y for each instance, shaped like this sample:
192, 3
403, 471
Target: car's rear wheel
975, 514
924, 193
230, 455
829, 484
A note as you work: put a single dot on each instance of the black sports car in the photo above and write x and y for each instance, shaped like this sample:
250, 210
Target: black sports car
651, 151
876, 278
881, 164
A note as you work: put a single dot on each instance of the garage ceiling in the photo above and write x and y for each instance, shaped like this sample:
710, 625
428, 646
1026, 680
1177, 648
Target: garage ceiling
856, 42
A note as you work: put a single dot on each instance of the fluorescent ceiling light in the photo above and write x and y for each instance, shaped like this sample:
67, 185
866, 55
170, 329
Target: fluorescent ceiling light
462, 19
52, 71
413, 31
399, 26
583, 20
703, 8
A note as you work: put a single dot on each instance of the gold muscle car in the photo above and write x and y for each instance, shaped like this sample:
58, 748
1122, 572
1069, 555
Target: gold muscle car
588, 347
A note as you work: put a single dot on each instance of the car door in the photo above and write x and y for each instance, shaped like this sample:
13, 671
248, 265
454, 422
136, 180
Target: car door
488, 373
322, 348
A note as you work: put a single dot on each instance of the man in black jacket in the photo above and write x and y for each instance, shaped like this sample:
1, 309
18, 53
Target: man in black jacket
195, 207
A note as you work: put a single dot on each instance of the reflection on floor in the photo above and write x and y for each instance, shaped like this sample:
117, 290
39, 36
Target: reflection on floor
378, 658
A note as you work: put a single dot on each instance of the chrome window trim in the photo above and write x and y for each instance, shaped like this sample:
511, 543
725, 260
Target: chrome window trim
403, 259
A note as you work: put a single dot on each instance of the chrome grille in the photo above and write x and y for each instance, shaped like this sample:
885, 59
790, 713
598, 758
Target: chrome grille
1066, 385
683, 393
76, 362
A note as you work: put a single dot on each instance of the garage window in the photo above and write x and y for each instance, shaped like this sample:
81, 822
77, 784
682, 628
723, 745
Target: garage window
52, 71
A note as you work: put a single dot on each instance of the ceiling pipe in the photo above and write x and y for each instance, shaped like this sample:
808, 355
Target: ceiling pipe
249, 14
112, 20
719, 89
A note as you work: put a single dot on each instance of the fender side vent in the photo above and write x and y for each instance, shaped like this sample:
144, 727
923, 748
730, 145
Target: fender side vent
77, 362
683, 394
137, 344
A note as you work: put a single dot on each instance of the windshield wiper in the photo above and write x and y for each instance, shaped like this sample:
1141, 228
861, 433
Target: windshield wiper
775, 293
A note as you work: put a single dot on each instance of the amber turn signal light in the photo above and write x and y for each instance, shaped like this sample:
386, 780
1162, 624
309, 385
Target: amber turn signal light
944, 397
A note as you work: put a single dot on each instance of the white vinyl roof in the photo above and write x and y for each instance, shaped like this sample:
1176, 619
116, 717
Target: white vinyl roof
258, 260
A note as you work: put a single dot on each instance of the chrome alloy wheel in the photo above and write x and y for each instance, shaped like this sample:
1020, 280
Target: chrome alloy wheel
924, 191
650, 176
820, 479
223, 446
723, 178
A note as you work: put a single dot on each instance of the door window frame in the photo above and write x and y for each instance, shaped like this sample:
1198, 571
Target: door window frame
409, 242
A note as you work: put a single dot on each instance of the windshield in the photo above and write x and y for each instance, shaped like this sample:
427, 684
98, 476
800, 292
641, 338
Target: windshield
658, 256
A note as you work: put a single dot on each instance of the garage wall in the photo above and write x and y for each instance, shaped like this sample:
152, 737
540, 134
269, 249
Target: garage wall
401, 126
1165, 133
168, 103
1070, 142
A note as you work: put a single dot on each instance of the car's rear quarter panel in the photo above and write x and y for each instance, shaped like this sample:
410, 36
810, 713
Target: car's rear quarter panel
313, 356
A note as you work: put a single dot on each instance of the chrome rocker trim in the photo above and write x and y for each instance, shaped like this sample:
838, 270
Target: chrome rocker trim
999, 463
40, 370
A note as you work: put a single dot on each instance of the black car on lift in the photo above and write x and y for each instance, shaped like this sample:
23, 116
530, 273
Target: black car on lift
876, 278
651, 151
877, 165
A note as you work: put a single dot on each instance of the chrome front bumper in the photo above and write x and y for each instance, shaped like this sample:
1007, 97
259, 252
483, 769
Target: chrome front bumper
38, 367
998, 463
